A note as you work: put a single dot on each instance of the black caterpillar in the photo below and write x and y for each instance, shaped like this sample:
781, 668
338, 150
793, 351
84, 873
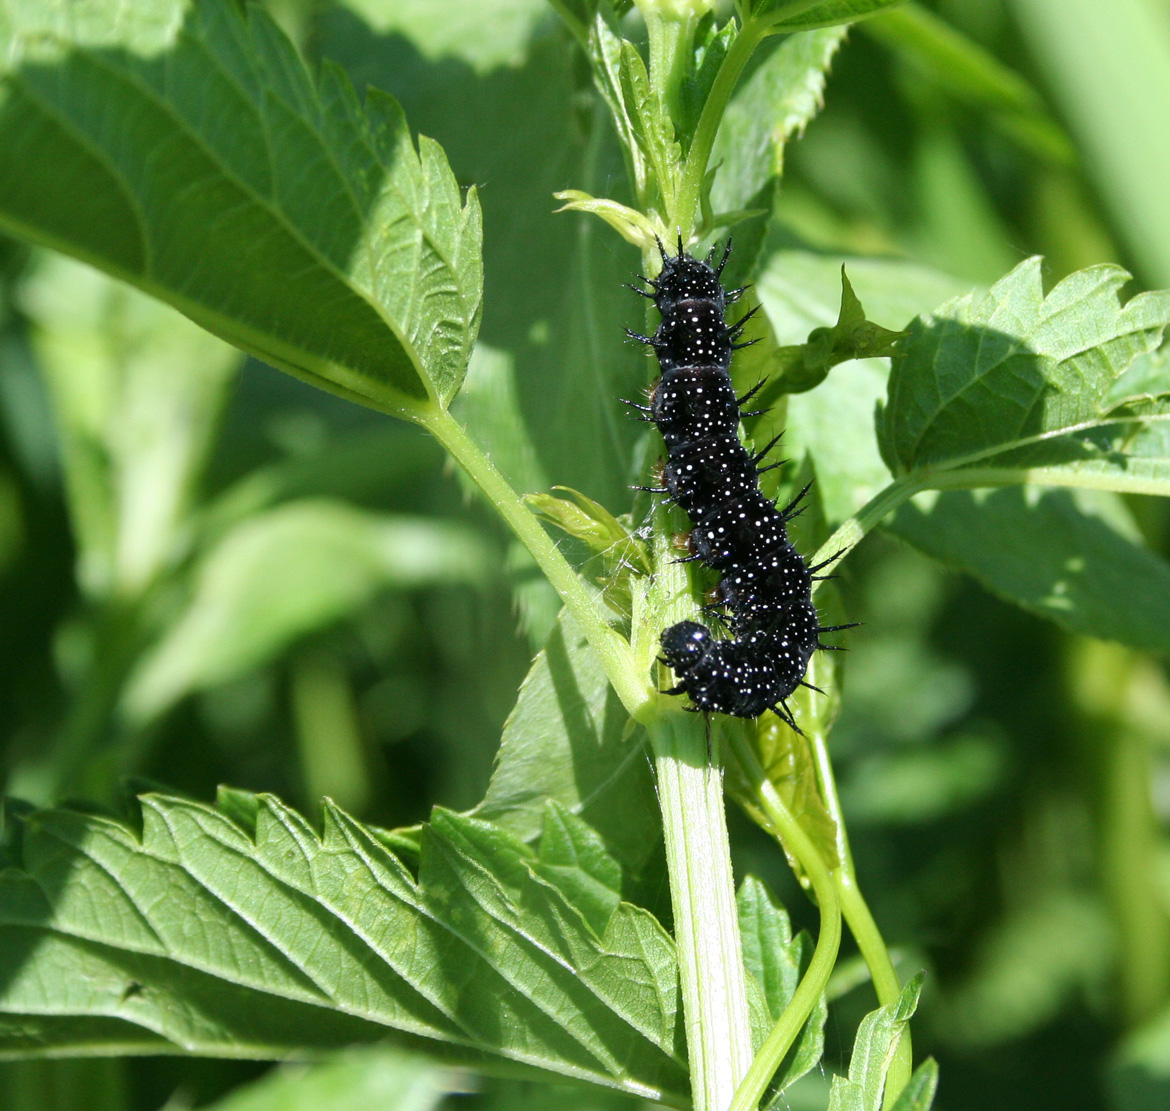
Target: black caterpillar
765, 594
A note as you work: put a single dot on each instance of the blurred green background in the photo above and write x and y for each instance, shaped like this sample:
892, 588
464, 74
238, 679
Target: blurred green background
212, 573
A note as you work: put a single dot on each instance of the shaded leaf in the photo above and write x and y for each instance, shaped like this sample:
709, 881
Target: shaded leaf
1011, 381
1074, 557
974, 76
567, 740
776, 102
137, 391
353, 1080
279, 575
834, 423
275, 210
711, 44
918, 1095
198, 936
777, 961
873, 1051
788, 762
1139, 1079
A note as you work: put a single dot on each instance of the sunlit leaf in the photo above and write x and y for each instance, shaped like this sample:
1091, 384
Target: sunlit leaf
1013, 382
273, 208
201, 936
873, 1052
776, 102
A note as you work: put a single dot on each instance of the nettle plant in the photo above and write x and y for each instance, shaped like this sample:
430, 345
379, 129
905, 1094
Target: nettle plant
183, 147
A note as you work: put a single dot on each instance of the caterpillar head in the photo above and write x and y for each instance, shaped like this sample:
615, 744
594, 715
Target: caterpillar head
685, 644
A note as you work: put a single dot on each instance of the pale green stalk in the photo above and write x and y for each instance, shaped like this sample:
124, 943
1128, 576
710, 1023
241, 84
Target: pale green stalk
812, 985
612, 649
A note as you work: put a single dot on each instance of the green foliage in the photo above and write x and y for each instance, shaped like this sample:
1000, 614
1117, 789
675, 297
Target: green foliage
363, 273
358, 1080
253, 583
311, 940
873, 1051
1014, 380
280, 574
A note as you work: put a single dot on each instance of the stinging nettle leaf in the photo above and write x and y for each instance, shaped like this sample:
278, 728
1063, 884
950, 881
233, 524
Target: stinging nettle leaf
184, 148
775, 103
202, 937
802, 367
873, 1052
1014, 381
777, 960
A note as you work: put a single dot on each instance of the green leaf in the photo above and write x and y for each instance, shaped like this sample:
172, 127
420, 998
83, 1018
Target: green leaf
834, 423
653, 129
486, 34
1075, 557
202, 937
775, 103
630, 224
137, 392
803, 15
873, 1051
566, 740
1010, 382
788, 762
918, 1095
1139, 1079
711, 44
617, 553
800, 368
972, 75
605, 48
279, 575
353, 1080
273, 209
777, 960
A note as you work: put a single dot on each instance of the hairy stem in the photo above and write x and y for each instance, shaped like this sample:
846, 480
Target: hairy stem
868, 517
702, 893
612, 649
861, 921
785, 826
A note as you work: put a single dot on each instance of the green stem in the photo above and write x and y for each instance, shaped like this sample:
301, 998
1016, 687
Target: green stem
691, 186
861, 921
868, 517
635, 692
814, 981
702, 892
